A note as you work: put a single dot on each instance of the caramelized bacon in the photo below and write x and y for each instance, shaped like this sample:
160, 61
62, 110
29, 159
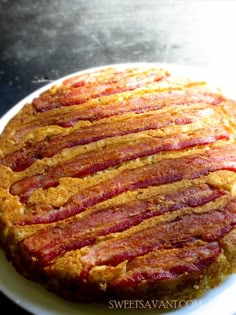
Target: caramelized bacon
53, 241
99, 75
168, 264
23, 158
114, 107
92, 162
161, 172
207, 226
80, 93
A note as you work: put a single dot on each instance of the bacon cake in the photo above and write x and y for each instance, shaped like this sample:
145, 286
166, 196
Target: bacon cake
120, 183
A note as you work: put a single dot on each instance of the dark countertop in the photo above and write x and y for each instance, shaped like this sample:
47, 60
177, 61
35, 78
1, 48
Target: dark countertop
44, 40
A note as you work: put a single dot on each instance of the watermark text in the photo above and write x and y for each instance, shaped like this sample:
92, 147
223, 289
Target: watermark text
152, 304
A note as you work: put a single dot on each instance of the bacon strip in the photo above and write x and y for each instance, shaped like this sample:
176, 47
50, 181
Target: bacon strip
92, 162
48, 243
168, 264
115, 76
120, 82
209, 226
98, 75
161, 172
23, 158
113, 107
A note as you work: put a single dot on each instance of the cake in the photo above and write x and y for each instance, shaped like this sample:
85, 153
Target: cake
120, 183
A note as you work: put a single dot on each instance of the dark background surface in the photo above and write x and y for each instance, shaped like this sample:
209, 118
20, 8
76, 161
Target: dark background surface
41, 41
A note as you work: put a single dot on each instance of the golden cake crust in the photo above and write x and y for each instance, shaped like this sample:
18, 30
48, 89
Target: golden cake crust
120, 183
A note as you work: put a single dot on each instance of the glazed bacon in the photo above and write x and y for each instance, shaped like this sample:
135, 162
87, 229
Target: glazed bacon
23, 158
98, 76
80, 93
140, 103
51, 242
162, 172
168, 264
92, 162
207, 226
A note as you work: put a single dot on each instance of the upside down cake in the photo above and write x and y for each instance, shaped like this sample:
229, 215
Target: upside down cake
120, 183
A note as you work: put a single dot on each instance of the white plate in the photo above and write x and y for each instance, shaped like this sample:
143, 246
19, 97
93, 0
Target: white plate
37, 300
